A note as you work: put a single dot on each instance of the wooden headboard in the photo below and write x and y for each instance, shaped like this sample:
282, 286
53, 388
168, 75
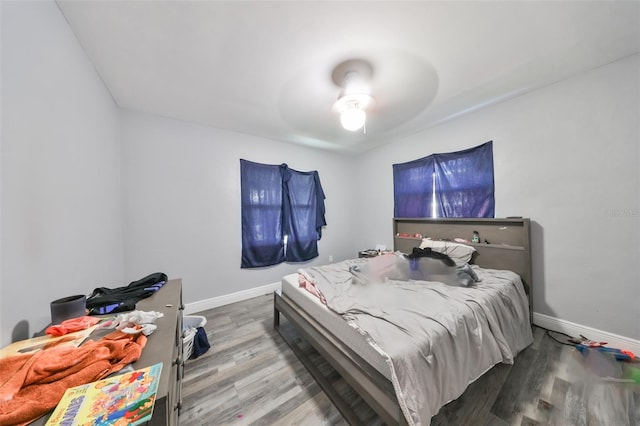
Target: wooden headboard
504, 243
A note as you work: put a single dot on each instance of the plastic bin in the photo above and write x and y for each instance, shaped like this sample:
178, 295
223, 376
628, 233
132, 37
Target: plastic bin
190, 323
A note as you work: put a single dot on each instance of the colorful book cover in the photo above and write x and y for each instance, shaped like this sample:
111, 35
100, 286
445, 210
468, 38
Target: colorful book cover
126, 399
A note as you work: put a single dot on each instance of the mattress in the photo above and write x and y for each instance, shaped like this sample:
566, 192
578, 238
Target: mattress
335, 324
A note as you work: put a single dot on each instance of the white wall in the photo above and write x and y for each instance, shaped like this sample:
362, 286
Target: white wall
61, 188
182, 204
567, 157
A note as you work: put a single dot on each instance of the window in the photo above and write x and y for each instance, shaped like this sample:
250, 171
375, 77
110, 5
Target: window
454, 184
282, 214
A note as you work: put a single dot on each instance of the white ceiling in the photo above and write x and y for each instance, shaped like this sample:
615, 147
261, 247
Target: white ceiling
264, 68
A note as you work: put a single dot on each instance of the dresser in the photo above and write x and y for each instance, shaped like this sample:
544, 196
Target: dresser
165, 346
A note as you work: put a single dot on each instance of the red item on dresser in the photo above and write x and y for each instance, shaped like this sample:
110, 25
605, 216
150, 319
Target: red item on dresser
71, 325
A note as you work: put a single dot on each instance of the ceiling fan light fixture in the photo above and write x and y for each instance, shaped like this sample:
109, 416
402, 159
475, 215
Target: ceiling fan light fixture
353, 119
352, 110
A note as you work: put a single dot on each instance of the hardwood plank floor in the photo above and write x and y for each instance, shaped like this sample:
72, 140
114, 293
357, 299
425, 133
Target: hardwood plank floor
250, 376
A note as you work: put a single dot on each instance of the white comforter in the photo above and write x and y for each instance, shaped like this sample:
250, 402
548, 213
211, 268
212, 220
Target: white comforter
436, 338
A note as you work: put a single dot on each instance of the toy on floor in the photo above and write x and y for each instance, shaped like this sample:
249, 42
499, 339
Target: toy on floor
619, 354
610, 364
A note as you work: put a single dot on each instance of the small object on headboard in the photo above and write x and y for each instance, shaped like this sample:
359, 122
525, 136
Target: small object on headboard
476, 237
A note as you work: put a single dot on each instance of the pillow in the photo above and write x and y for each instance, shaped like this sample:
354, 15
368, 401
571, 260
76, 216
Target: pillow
460, 253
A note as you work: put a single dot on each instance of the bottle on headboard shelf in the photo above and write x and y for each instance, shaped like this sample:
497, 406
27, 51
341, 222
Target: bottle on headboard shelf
476, 237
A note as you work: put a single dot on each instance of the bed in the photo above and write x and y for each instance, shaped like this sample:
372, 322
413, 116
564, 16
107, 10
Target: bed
378, 373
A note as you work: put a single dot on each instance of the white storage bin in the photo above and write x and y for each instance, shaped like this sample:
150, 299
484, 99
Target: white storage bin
189, 325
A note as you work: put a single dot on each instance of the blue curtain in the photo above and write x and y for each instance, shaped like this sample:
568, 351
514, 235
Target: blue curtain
276, 202
303, 213
261, 188
412, 184
460, 184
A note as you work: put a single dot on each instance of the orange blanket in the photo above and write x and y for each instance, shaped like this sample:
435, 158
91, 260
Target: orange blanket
33, 384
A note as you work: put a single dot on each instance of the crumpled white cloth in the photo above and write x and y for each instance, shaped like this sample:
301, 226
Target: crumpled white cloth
135, 322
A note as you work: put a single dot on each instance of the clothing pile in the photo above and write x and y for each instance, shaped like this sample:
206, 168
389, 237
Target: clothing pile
32, 384
104, 300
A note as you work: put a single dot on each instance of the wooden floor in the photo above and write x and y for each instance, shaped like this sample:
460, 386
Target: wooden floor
251, 376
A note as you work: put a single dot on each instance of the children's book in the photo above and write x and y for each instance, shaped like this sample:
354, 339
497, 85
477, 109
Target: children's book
126, 399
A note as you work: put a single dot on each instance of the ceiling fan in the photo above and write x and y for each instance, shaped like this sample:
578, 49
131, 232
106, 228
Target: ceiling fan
353, 77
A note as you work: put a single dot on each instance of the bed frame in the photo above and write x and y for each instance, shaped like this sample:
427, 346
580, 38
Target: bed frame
507, 246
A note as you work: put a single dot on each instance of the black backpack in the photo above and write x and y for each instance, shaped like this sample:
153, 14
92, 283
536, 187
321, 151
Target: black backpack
105, 300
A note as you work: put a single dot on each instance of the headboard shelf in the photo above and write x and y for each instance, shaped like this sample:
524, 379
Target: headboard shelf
413, 240
498, 246
495, 231
409, 238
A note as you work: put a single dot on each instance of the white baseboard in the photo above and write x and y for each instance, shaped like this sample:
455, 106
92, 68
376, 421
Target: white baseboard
575, 330
203, 305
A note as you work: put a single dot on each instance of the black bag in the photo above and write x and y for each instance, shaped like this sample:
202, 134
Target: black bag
105, 300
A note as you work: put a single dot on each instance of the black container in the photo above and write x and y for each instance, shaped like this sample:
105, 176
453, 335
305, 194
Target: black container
67, 308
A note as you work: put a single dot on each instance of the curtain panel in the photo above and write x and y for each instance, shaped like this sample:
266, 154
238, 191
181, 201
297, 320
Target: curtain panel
455, 184
283, 214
